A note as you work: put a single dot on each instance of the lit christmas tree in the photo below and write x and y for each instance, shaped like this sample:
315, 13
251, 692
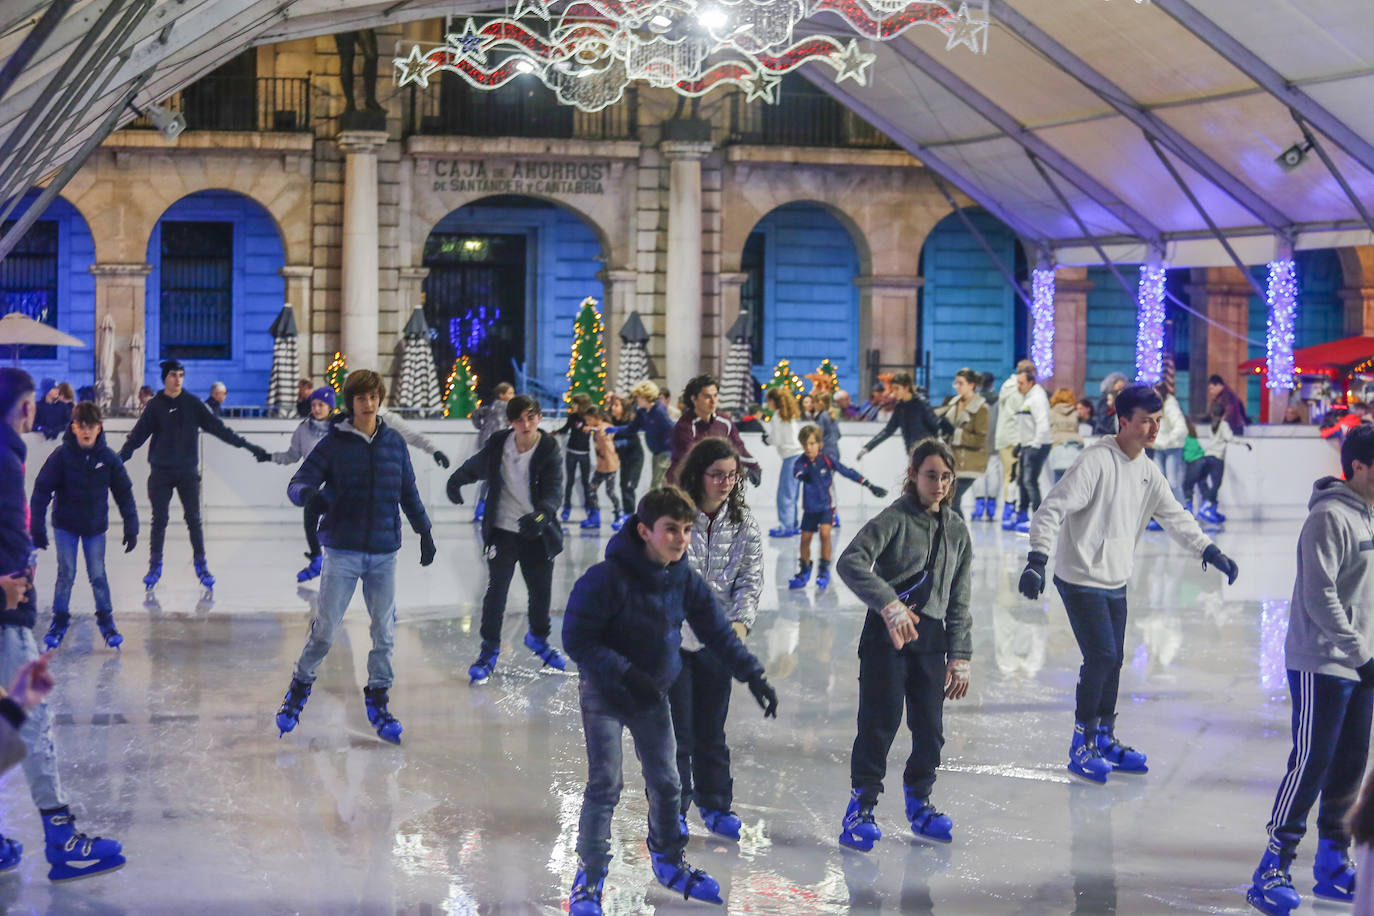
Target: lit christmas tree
460, 391
825, 378
337, 372
784, 377
587, 364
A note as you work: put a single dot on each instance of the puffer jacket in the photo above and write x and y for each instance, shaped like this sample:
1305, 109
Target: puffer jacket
303, 440
16, 550
82, 480
729, 557
488, 420
1064, 424
970, 437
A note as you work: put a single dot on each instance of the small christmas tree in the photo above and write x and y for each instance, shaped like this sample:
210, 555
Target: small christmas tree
825, 378
784, 377
587, 363
460, 391
337, 372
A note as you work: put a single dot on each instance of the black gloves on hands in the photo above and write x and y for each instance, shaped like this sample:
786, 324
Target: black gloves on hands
641, 688
130, 540
455, 490
1224, 564
765, 694
876, 490
1366, 673
39, 536
531, 525
440, 459
755, 474
260, 453
1032, 583
314, 500
427, 548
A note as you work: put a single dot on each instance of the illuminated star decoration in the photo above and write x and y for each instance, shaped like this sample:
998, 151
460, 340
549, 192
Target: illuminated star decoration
964, 30
538, 8
469, 43
853, 64
414, 68
760, 85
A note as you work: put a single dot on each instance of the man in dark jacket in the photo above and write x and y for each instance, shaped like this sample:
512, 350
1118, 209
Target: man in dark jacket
70, 854
82, 474
651, 418
703, 421
523, 474
174, 419
911, 414
357, 475
623, 627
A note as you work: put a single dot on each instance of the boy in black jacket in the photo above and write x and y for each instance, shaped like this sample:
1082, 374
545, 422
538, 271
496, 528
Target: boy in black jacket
82, 474
623, 627
522, 475
174, 419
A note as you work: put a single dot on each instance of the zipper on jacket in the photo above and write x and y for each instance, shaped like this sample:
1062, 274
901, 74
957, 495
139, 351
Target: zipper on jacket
371, 486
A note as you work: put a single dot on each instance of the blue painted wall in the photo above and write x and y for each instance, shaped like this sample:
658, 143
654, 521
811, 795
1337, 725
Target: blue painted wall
810, 302
75, 298
1321, 314
968, 313
1111, 327
562, 260
258, 295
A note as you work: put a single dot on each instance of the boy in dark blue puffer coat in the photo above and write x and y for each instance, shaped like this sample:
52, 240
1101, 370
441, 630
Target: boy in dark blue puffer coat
623, 627
82, 473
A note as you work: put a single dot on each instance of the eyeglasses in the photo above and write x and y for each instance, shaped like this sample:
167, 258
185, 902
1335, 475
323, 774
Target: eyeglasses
932, 477
723, 476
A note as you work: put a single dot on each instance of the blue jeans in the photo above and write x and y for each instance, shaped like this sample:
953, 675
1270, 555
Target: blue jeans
788, 487
40, 766
652, 730
1170, 461
94, 548
342, 570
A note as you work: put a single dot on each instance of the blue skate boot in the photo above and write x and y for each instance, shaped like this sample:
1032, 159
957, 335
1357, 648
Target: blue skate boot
1154, 526
485, 664
57, 631
11, 851
540, 647
1012, 521
926, 822
74, 855
802, 577
1122, 758
619, 521
1008, 512
1271, 889
154, 573
585, 897
107, 630
858, 830
203, 573
1333, 872
979, 506
782, 531
721, 823
823, 574
1209, 513
674, 873
593, 520
313, 570
388, 726
566, 513
289, 713
1023, 523
1084, 760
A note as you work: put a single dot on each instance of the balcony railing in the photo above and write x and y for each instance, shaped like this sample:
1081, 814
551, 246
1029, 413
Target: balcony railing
802, 119
521, 108
266, 103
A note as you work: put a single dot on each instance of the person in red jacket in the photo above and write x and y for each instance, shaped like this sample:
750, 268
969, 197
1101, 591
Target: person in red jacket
702, 421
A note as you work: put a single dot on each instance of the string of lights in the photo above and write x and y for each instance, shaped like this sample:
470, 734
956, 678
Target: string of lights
1149, 339
1042, 321
1283, 306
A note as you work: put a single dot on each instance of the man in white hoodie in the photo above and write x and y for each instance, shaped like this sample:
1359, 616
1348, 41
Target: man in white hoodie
1034, 439
1005, 439
1329, 653
1103, 503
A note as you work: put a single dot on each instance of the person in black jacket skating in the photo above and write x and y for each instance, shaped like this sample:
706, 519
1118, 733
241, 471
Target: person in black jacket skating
356, 477
623, 627
521, 468
82, 474
174, 419
911, 415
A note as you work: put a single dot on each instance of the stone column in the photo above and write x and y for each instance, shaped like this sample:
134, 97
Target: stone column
1223, 295
619, 286
1071, 288
358, 326
1359, 311
120, 291
682, 331
299, 291
888, 323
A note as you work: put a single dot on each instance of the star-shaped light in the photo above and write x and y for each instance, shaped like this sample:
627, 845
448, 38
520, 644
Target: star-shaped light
760, 85
414, 68
852, 64
964, 30
468, 43
538, 8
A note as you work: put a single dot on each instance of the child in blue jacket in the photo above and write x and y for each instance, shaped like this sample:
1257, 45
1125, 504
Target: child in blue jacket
817, 471
82, 473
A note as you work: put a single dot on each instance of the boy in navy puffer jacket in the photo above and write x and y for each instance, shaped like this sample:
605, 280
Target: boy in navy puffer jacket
817, 471
623, 627
82, 473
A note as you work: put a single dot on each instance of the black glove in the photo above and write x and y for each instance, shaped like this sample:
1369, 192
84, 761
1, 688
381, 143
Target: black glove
130, 540
39, 536
313, 499
1033, 576
641, 688
1366, 673
455, 490
755, 474
125, 456
531, 525
440, 459
765, 439
765, 694
1224, 564
427, 548
876, 490
260, 453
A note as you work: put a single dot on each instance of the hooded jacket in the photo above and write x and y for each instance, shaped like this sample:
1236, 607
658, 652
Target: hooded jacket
16, 550
729, 557
1173, 428
628, 610
1033, 419
362, 480
546, 484
303, 440
174, 425
656, 425
1064, 424
1331, 616
82, 480
1008, 403
970, 423
913, 418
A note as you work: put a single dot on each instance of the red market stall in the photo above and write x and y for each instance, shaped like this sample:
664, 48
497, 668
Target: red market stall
1340, 362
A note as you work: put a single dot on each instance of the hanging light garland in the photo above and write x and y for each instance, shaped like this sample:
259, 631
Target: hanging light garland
1042, 321
1283, 308
1149, 337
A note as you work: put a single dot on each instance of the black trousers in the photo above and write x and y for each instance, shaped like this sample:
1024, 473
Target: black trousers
1033, 459
961, 486
1204, 474
631, 466
186, 483
1098, 619
700, 701
312, 530
888, 678
573, 463
504, 551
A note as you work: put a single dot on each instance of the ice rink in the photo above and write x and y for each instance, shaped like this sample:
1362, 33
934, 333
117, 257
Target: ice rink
170, 747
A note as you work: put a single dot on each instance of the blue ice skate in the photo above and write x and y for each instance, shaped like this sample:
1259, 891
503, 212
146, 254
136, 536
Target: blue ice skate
313, 570
481, 669
722, 823
1122, 758
203, 573
154, 573
823, 574
1084, 760
11, 851
289, 713
801, 578
1333, 872
858, 830
585, 897
980, 505
1271, 889
1008, 512
388, 726
57, 631
566, 513
1012, 522
540, 647
926, 822
782, 531
619, 521
674, 873
1209, 513
74, 855
1154, 526
593, 520
107, 630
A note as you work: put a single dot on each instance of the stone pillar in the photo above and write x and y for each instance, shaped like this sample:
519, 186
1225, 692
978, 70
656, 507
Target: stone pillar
619, 294
358, 326
1359, 311
1223, 295
730, 286
682, 331
120, 291
1071, 288
299, 292
888, 323
411, 289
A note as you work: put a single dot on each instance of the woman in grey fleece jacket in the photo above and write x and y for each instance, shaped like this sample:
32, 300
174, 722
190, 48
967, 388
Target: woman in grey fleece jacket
916, 547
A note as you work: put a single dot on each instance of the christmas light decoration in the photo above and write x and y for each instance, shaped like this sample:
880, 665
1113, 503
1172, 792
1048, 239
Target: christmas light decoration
587, 362
336, 373
825, 378
460, 391
1283, 307
1042, 321
589, 51
1149, 338
784, 377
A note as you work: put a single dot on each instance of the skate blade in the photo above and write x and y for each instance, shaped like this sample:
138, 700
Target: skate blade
1125, 772
860, 845
1083, 777
60, 874
928, 839
1258, 902
1334, 895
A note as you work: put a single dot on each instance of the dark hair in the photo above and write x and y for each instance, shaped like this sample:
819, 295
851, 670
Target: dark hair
1087, 402
692, 475
808, 432
1216, 380
168, 366
14, 384
987, 380
968, 375
579, 404
516, 407
696, 384
147, 389
86, 413
1358, 446
923, 450
502, 387
666, 501
1137, 397
362, 381
905, 380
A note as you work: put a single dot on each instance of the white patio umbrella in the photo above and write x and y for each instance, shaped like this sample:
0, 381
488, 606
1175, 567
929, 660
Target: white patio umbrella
735, 387
634, 355
286, 365
136, 369
105, 362
419, 377
19, 330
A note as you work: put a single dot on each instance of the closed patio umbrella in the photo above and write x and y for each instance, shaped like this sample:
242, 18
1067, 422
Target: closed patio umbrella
286, 365
419, 378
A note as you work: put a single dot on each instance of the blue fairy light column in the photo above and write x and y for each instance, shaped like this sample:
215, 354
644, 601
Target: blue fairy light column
1149, 339
1283, 308
1042, 321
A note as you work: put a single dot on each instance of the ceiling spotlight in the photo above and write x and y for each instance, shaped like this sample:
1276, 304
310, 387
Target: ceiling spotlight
1292, 157
168, 123
713, 18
